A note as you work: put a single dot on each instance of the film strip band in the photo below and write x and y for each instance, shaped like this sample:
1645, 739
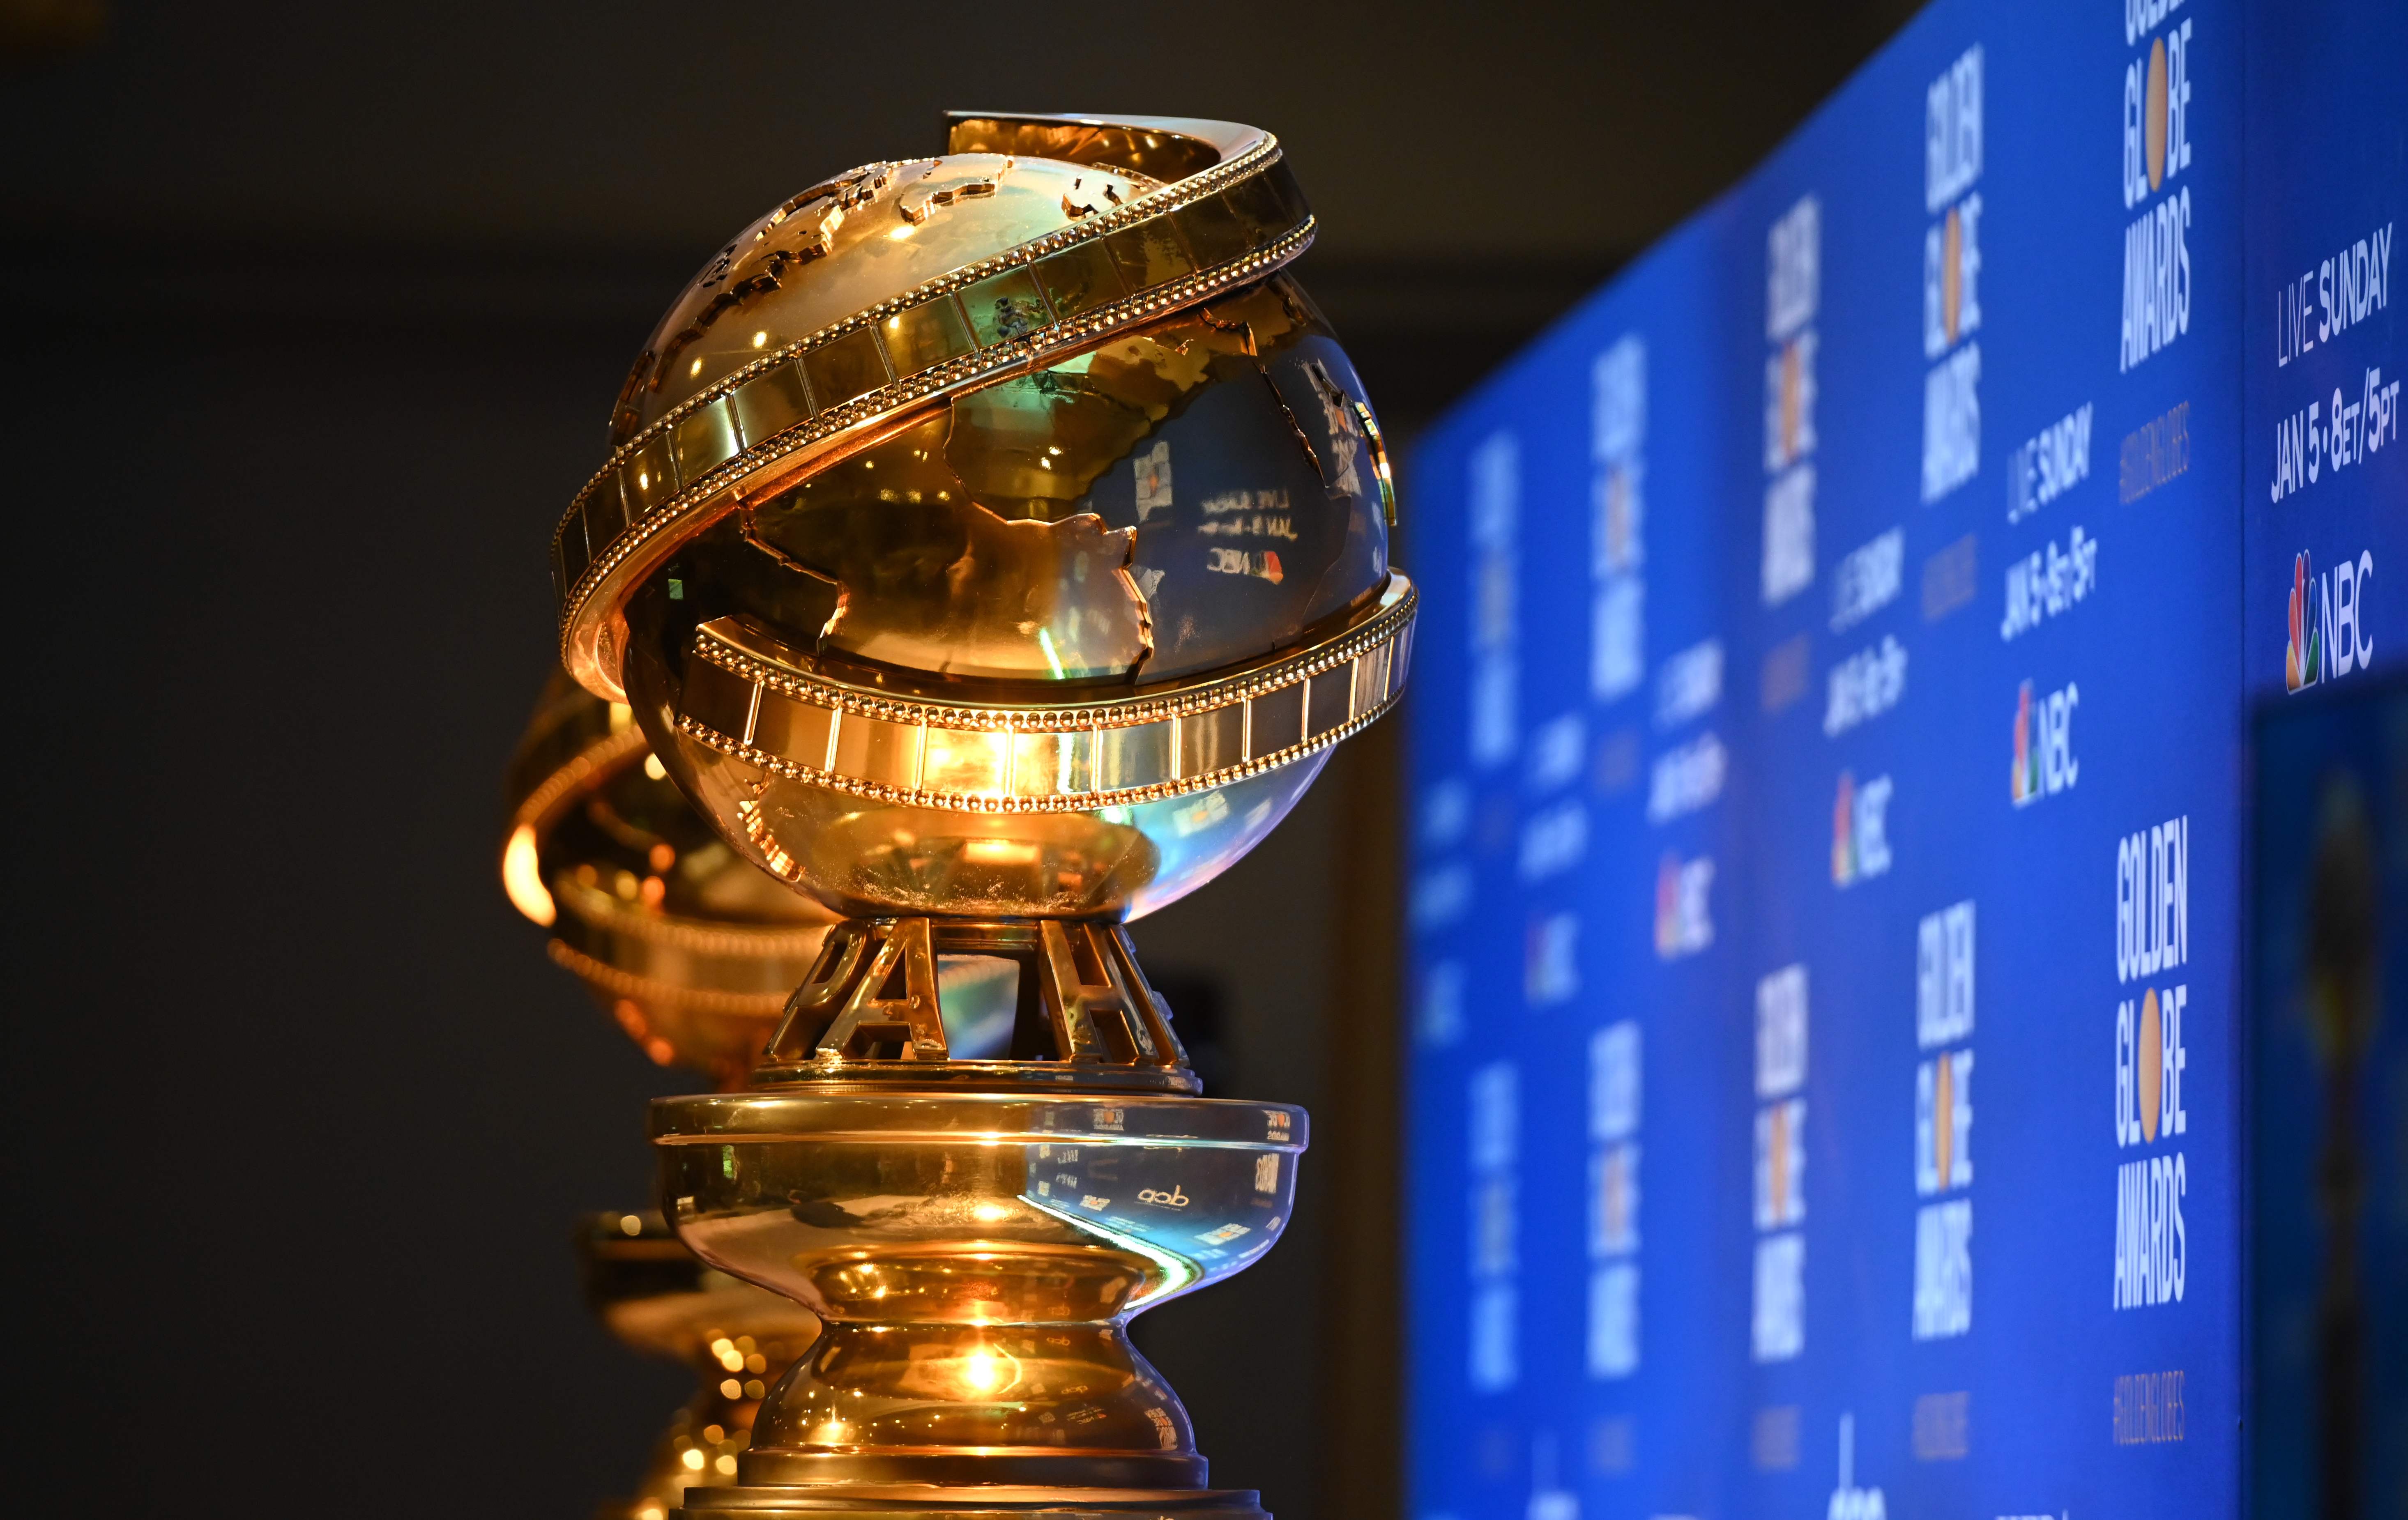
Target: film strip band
1069, 290
742, 699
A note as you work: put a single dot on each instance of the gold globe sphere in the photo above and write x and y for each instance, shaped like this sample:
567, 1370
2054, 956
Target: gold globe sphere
1002, 534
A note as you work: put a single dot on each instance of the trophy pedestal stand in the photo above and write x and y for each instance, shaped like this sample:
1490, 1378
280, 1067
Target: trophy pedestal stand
974, 1235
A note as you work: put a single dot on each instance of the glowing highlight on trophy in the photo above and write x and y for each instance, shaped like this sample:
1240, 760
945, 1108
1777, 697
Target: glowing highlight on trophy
522, 877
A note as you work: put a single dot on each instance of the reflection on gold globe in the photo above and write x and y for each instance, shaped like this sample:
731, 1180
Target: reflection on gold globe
687, 946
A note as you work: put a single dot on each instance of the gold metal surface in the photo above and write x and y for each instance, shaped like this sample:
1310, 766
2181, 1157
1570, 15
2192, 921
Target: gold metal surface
1038, 643
991, 549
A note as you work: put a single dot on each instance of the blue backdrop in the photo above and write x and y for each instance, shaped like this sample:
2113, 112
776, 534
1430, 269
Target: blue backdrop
1830, 721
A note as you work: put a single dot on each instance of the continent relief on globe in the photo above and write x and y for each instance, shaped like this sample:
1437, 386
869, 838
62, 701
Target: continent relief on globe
1187, 496
845, 244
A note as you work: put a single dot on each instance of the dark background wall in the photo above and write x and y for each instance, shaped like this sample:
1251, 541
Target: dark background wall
312, 317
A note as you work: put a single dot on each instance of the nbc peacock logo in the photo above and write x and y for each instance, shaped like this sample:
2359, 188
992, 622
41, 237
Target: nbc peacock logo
2045, 763
2331, 627
2024, 781
2304, 657
1684, 922
1667, 906
1843, 832
1861, 829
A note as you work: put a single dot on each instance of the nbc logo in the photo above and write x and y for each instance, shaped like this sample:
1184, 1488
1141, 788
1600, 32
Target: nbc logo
1859, 830
2328, 622
1684, 922
1551, 960
2045, 763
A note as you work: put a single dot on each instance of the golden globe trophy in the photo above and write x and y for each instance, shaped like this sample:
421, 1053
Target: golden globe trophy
990, 548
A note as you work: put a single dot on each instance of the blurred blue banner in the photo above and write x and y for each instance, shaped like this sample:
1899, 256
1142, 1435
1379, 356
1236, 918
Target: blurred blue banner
1830, 711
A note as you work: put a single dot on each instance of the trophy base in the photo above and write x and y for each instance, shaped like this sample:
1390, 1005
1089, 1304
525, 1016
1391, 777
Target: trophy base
929, 1502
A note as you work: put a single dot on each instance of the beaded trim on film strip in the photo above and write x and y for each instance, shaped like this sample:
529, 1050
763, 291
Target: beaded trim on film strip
1169, 247
1054, 759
